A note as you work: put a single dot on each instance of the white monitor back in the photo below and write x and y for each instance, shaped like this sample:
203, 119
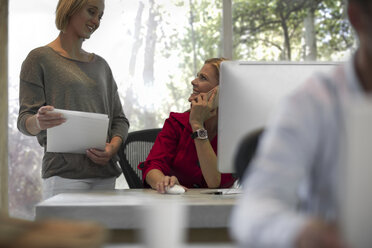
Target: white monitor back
248, 94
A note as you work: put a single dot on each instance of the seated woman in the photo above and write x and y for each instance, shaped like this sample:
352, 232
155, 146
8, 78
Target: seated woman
185, 150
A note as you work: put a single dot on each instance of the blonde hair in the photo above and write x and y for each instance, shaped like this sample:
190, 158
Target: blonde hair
215, 62
65, 9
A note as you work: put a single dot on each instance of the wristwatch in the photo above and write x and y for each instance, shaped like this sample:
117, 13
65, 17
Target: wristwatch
200, 134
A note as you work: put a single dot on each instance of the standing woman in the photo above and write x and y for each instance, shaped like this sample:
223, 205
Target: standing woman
62, 75
185, 150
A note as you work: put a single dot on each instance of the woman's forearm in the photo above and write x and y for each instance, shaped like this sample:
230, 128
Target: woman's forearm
32, 125
116, 142
208, 163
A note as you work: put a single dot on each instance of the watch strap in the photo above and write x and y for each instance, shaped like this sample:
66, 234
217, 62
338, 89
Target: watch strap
194, 135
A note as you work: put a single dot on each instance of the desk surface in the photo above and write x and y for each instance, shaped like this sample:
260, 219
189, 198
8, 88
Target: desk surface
122, 209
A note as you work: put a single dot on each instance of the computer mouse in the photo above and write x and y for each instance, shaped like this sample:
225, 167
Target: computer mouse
175, 189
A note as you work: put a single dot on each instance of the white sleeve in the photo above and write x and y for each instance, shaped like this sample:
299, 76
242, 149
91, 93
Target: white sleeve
266, 215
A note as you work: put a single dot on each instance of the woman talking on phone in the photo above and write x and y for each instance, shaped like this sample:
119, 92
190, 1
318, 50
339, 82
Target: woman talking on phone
185, 151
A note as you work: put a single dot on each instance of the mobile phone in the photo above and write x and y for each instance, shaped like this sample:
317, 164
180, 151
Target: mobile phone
215, 101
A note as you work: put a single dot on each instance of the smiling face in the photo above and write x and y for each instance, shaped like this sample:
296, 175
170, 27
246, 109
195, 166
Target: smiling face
205, 81
87, 20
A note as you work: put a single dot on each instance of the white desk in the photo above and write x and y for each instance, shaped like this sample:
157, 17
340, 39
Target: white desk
208, 215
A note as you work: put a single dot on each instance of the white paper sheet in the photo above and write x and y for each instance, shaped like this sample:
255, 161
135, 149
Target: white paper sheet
81, 131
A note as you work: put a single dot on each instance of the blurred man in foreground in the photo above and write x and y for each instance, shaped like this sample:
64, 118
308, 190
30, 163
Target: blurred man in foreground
291, 190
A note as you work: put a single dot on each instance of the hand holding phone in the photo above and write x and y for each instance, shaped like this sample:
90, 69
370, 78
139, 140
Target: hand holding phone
204, 108
214, 94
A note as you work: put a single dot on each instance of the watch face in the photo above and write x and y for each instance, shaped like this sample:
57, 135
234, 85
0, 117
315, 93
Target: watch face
200, 134
203, 133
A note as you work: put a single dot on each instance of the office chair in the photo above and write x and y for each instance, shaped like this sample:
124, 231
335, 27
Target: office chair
135, 150
246, 151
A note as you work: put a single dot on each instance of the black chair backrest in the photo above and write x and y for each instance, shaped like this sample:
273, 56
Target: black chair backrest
135, 150
246, 151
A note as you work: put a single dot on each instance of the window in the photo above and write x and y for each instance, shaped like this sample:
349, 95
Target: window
297, 30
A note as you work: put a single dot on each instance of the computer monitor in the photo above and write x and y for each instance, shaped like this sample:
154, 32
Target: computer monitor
248, 94
355, 201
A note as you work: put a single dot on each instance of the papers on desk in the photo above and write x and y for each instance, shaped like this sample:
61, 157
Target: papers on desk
228, 191
81, 131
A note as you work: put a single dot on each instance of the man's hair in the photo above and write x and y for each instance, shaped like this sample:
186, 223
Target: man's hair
364, 4
65, 9
361, 2
215, 62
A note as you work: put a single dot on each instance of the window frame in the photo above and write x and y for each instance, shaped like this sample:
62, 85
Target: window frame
4, 8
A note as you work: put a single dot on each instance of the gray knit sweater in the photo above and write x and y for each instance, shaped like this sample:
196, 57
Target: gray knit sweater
48, 78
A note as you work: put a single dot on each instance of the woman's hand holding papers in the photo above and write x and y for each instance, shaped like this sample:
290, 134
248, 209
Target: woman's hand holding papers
44, 118
103, 157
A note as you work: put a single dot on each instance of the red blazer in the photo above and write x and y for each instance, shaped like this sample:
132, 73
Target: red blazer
174, 154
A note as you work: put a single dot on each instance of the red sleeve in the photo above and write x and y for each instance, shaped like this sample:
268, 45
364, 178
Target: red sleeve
227, 180
163, 151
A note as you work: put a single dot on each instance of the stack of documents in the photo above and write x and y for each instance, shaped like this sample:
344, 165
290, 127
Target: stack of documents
81, 131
